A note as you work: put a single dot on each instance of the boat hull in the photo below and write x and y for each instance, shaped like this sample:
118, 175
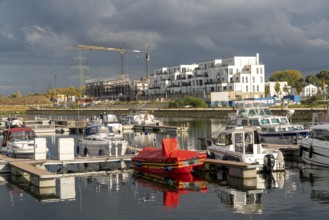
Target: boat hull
314, 152
101, 148
281, 138
185, 166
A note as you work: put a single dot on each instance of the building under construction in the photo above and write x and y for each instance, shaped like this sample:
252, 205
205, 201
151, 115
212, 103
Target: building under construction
115, 88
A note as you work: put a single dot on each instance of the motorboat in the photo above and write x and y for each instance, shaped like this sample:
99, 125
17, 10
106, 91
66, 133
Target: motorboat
140, 118
168, 158
98, 141
275, 129
110, 121
282, 134
314, 149
171, 185
19, 142
242, 144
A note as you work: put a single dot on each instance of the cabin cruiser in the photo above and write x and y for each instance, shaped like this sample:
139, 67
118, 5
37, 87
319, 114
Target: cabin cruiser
111, 121
242, 144
274, 129
98, 141
314, 149
140, 118
19, 142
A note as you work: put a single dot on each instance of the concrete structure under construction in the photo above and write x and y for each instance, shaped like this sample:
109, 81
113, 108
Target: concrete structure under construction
115, 88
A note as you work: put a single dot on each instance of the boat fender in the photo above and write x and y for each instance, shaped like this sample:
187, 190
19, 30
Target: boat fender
210, 155
310, 153
101, 152
300, 152
85, 151
168, 168
269, 162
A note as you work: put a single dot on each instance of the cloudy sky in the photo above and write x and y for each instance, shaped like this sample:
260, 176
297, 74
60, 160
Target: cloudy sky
35, 37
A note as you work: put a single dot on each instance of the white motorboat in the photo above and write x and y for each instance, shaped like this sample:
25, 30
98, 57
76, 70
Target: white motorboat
111, 121
98, 141
20, 143
314, 149
274, 129
242, 144
140, 118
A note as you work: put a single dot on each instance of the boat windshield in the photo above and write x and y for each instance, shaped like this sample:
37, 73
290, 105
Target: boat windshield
21, 136
264, 121
320, 134
284, 120
224, 139
275, 121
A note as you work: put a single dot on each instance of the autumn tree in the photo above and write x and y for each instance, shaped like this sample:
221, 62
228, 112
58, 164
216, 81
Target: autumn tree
277, 87
267, 90
290, 76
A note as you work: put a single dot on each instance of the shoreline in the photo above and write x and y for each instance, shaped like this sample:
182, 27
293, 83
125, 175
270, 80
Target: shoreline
302, 114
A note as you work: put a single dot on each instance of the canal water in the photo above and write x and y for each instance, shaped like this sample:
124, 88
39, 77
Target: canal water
301, 192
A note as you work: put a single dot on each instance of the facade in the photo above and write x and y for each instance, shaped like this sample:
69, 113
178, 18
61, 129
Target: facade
281, 92
309, 90
239, 77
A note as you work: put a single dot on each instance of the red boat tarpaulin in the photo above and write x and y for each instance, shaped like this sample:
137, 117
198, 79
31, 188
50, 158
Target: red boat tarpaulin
169, 153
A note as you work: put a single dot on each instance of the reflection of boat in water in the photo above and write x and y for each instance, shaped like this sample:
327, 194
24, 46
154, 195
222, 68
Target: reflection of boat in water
318, 178
172, 186
168, 158
244, 195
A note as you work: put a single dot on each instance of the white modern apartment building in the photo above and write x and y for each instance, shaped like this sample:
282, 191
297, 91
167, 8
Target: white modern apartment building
239, 77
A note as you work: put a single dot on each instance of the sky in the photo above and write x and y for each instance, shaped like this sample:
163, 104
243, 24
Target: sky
38, 37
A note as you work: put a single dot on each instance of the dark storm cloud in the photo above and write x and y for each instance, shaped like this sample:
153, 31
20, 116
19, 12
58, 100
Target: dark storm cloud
34, 34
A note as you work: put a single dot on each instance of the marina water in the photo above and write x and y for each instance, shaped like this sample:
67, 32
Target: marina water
301, 192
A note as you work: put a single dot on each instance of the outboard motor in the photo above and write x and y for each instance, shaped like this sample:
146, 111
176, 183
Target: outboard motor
269, 162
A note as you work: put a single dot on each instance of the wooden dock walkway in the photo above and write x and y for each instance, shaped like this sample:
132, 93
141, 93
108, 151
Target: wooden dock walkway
35, 170
236, 169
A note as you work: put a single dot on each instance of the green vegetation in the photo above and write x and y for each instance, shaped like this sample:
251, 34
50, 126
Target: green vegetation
188, 102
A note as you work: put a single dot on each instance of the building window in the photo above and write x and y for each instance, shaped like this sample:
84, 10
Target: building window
247, 89
257, 88
253, 79
246, 79
242, 79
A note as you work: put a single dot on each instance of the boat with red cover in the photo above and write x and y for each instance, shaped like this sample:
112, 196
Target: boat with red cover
168, 158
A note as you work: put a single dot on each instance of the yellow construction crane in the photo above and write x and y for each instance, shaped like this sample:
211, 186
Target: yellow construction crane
121, 50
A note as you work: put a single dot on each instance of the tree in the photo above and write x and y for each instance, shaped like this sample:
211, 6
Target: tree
277, 87
290, 76
285, 88
267, 90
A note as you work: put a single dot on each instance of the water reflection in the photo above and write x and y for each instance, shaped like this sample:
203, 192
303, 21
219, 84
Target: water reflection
318, 178
171, 186
244, 195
